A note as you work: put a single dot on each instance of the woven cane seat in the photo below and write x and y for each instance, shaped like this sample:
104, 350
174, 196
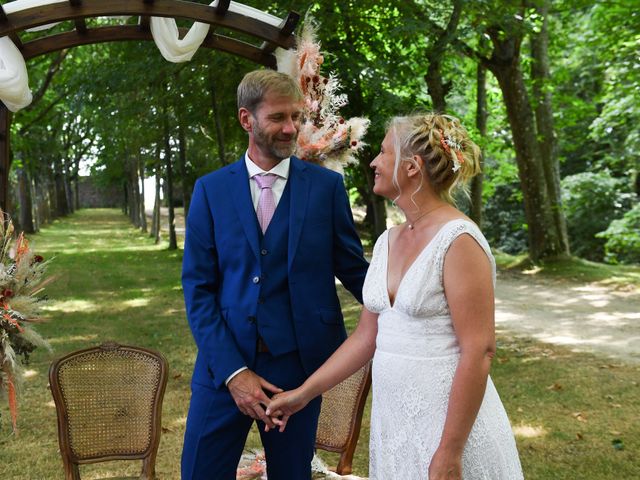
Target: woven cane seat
108, 400
341, 417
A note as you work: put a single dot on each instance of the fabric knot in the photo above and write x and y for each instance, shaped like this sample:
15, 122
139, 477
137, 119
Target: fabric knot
265, 180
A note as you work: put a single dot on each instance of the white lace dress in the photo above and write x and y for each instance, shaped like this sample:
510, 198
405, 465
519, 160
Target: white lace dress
416, 357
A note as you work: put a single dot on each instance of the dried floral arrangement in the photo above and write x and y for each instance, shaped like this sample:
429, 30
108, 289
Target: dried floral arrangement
21, 284
325, 137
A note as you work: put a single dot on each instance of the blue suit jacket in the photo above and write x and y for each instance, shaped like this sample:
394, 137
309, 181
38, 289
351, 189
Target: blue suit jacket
222, 263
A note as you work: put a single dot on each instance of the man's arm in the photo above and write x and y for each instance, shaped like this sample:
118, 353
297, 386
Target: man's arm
349, 263
200, 283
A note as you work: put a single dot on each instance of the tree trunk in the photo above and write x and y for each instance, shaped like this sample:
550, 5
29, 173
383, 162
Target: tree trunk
125, 202
76, 181
5, 157
26, 204
143, 208
43, 186
186, 187
67, 185
376, 216
544, 239
218, 123
62, 208
35, 204
155, 222
481, 125
173, 242
134, 190
436, 87
544, 122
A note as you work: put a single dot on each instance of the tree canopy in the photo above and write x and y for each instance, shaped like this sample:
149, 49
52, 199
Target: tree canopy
549, 91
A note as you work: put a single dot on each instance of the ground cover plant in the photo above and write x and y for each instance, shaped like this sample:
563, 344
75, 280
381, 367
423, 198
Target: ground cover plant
574, 415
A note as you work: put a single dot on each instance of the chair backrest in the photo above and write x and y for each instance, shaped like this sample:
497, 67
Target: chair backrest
341, 417
109, 405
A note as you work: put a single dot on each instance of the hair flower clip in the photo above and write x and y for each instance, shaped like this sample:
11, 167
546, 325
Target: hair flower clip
453, 148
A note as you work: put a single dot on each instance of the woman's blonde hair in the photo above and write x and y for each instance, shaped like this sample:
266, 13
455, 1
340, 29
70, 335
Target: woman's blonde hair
450, 158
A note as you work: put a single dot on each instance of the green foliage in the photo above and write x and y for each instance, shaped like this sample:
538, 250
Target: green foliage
113, 95
504, 224
591, 201
623, 238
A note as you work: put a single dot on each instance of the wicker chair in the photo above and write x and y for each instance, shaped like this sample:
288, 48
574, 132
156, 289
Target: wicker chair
109, 404
341, 417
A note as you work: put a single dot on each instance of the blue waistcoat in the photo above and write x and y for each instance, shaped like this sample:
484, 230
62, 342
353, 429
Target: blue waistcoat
273, 312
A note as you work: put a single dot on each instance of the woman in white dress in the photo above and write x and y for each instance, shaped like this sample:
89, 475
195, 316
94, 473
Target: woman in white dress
428, 321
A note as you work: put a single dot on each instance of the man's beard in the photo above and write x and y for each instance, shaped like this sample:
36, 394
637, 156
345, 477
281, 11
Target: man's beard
279, 150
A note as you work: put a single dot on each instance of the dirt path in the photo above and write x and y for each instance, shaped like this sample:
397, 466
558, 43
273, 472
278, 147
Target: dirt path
585, 317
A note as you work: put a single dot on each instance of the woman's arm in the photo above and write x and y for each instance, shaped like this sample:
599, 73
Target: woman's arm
468, 285
352, 355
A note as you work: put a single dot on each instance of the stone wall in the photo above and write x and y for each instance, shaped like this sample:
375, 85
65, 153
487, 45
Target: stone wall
97, 196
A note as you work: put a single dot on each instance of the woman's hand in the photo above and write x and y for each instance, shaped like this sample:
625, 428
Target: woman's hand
445, 466
285, 404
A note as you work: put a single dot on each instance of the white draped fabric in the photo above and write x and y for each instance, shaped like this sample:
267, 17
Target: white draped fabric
14, 80
173, 49
167, 38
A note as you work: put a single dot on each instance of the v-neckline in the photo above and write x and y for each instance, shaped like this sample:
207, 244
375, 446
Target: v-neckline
415, 260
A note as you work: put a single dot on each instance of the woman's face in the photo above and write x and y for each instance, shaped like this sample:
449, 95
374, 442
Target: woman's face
383, 166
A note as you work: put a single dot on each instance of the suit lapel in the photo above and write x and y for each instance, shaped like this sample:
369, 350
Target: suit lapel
298, 176
241, 195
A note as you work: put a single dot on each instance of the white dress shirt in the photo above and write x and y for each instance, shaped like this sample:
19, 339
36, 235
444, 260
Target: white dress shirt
282, 171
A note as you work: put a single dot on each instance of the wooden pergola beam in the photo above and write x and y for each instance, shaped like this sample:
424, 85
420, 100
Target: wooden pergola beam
223, 6
71, 39
287, 27
59, 12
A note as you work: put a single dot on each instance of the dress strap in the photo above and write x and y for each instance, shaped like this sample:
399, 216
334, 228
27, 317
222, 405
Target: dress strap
453, 230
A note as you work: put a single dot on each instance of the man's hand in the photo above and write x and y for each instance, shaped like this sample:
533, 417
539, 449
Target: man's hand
247, 390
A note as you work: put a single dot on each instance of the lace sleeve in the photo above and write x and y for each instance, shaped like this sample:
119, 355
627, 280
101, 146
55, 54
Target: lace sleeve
454, 230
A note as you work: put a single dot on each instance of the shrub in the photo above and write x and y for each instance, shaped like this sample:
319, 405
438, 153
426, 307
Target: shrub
623, 238
591, 202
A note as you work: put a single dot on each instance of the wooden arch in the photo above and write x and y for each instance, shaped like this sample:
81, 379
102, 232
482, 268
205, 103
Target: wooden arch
268, 36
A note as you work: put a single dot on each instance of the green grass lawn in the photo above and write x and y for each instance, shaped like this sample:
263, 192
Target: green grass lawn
573, 269
576, 416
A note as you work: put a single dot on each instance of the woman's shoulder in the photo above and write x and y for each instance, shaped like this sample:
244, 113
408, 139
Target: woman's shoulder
456, 226
459, 224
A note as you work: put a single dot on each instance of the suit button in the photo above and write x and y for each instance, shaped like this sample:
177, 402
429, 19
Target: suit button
264, 251
251, 319
256, 280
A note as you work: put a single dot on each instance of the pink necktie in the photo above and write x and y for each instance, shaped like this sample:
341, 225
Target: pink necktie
266, 201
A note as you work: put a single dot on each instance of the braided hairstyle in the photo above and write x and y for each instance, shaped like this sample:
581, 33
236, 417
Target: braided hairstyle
450, 158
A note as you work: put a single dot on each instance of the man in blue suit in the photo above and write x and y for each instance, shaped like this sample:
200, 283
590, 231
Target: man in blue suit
266, 237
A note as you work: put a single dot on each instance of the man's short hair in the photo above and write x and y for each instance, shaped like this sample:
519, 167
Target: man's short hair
255, 86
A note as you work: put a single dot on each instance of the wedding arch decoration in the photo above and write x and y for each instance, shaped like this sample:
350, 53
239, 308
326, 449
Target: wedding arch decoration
21, 284
325, 136
135, 20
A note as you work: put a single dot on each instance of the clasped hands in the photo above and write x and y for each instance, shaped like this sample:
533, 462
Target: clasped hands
249, 392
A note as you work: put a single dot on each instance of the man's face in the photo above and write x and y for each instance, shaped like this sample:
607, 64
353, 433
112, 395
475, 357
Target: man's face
275, 126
